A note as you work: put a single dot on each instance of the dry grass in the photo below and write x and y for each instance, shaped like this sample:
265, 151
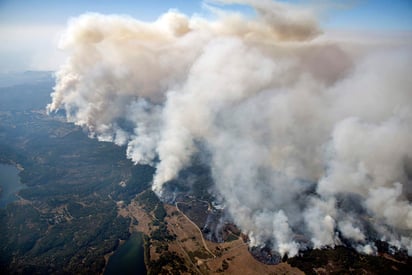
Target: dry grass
225, 258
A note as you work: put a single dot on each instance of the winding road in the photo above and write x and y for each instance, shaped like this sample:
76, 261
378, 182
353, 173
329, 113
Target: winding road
197, 227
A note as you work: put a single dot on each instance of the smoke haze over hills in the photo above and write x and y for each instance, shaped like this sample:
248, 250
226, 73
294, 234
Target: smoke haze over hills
307, 136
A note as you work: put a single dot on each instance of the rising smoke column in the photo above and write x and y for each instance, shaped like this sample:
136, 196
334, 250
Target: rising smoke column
308, 136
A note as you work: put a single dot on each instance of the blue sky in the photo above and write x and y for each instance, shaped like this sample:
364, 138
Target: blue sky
54, 11
28, 28
366, 14
374, 15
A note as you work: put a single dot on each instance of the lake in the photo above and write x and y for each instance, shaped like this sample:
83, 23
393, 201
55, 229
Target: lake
129, 258
9, 183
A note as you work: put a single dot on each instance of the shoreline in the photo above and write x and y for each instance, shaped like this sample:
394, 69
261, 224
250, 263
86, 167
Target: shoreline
146, 251
12, 163
6, 189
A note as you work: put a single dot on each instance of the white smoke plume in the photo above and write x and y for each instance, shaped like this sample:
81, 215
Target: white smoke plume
307, 135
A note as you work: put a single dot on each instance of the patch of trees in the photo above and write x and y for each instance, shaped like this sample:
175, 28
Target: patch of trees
341, 259
140, 178
168, 263
162, 234
149, 200
160, 212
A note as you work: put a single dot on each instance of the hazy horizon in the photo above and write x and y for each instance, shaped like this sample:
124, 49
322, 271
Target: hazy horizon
31, 30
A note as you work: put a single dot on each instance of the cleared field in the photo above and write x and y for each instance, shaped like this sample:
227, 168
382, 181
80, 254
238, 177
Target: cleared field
197, 254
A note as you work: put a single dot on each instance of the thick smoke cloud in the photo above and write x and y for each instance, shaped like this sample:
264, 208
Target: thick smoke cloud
310, 139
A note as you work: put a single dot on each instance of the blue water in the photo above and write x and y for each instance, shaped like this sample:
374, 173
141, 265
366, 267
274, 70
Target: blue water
9, 183
129, 258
